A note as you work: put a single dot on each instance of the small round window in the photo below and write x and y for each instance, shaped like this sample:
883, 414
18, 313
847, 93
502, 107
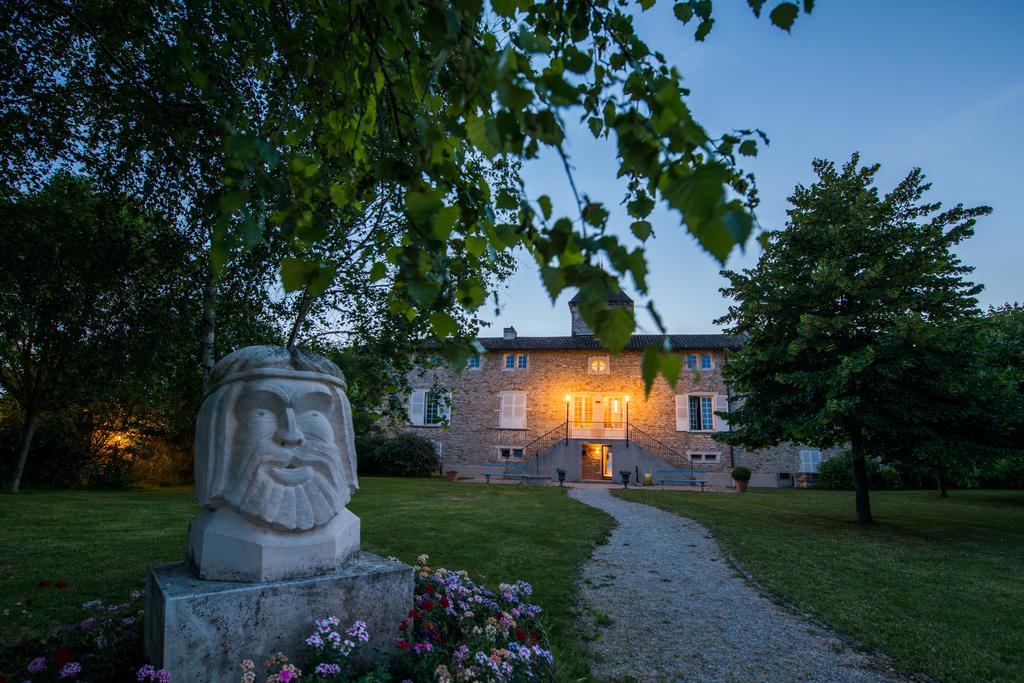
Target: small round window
599, 364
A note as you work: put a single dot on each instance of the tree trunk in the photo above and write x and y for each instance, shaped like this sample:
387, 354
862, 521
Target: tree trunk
28, 430
941, 481
300, 317
206, 334
860, 484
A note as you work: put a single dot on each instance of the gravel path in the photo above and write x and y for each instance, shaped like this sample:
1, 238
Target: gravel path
663, 604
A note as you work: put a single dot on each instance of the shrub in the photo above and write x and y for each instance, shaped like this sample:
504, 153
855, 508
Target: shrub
891, 479
1005, 473
836, 474
403, 455
741, 473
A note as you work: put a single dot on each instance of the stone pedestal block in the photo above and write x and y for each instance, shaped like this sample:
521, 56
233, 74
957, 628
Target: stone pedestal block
202, 630
224, 546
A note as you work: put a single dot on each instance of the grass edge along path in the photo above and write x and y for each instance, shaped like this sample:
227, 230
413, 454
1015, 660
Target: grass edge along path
100, 542
934, 583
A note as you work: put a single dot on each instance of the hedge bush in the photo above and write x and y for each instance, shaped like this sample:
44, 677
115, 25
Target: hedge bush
403, 455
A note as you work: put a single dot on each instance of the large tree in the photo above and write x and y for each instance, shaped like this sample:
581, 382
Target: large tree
93, 299
256, 120
849, 319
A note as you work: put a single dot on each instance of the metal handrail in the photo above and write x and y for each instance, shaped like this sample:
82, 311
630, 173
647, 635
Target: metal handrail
645, 440
560, 430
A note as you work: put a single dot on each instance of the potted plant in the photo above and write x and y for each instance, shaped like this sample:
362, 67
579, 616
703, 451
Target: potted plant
741, 475
452, 475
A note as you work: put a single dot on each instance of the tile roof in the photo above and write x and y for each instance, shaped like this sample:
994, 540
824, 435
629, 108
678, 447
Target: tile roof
588, 342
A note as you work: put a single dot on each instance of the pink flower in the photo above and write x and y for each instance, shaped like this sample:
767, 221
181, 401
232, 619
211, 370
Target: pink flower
37, 665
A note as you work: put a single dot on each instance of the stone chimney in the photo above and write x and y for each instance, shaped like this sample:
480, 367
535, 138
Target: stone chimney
509, 333
579, 327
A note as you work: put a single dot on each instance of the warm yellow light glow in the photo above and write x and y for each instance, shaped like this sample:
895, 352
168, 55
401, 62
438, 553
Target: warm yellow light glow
568, 398
626, 399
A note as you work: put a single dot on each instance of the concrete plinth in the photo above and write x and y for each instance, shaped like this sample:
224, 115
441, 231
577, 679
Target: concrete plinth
202, 630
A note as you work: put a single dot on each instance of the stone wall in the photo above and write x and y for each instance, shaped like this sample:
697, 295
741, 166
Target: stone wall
473, 435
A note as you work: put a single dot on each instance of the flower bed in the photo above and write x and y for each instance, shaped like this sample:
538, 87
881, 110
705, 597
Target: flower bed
455, 631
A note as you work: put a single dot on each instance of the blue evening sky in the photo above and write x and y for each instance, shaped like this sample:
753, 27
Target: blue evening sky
931, 83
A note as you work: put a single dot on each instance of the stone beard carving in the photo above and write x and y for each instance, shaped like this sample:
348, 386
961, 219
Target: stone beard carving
275, 468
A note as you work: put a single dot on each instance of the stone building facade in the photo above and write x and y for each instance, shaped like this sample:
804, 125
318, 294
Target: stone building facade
530, 399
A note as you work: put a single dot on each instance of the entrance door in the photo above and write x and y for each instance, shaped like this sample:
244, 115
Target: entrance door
606, 462
596, 461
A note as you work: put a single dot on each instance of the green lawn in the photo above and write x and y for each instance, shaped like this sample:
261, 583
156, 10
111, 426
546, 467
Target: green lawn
101, 542
936, 583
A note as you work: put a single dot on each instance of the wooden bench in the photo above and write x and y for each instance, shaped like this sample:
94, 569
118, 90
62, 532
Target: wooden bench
508, 473
693, 481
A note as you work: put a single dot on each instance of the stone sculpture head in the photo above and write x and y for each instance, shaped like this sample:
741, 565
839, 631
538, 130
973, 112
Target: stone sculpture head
274, 439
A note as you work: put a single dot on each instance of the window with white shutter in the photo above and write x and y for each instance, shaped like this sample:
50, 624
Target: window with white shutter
810, 460
417, 406
429, 408
721, 406
513, 410
682, 413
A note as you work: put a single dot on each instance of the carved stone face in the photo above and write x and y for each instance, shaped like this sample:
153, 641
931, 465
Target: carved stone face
285, 466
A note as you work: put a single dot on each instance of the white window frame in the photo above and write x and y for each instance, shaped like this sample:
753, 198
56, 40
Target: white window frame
810, 460
504, 361
417, 408
479, 362
696, 361
438, 449
508, 417
599, 359
711, 361
511, 453
719, 403
523, 361
704, 456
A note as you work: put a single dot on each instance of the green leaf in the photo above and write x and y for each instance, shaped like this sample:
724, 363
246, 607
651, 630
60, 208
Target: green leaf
808, 6
443, 324
378, 271
784, 15
545, 206
683, 11
704, 29
756, 5
293, 273
642, 230
647, 4
483, 134
650, 363
671, 367
444, 220
507, 200
233, 200
505, 8
422, 205
596, 125
321, 278
475, 245
748, 148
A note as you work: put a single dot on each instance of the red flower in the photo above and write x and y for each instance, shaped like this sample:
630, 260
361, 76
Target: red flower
403, 626
414, 613
63, 656
520, 635
61, 584
533, 638
445, 602
428, 604
45, 583
404, 644
430, 589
